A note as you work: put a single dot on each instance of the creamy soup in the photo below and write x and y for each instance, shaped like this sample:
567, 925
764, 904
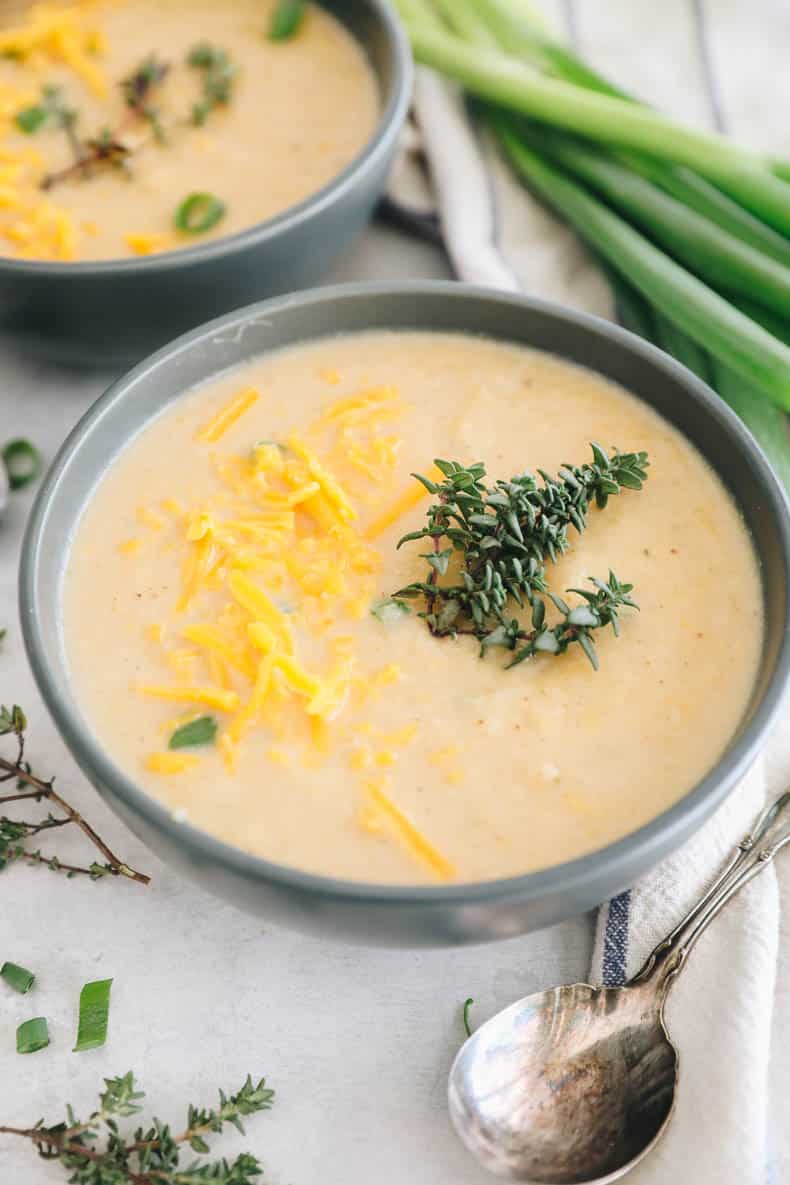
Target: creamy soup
219, 109
229, 585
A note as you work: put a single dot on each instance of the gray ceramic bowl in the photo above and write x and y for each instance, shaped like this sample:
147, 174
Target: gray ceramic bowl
380, 913
114, 312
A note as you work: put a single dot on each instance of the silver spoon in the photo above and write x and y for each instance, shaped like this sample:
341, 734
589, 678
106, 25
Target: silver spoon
573, 1086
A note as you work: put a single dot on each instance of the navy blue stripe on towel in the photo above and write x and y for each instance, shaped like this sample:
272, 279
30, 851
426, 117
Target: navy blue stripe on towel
615, 940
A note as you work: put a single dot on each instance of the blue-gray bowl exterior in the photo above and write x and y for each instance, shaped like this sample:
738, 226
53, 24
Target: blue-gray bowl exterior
370, 913
114, 312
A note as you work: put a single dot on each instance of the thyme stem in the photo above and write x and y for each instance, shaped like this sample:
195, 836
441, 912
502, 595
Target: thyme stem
14, 722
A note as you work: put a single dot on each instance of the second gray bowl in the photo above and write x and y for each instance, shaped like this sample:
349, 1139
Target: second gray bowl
402, 915
114, 312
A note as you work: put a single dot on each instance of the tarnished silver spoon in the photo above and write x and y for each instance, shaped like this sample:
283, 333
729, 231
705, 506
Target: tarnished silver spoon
574, 1085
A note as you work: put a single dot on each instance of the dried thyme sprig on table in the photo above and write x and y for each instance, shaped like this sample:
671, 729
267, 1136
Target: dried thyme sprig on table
500, 538
152, 1155
14, 833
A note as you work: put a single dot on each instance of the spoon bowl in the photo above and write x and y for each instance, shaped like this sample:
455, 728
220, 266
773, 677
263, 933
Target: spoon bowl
566, 1085
574, 1085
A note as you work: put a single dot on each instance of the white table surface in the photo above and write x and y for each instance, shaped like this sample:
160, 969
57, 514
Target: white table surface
357, 1043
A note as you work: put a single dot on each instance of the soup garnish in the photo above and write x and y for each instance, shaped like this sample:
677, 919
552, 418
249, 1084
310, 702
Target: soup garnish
500, 539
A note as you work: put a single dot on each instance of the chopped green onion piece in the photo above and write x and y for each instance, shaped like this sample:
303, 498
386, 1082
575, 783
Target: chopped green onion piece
198, 213
390, 611
467, 1005
94, 1010
30, 119
287, 18
32, 1035
197, 732
19, 978
22, 463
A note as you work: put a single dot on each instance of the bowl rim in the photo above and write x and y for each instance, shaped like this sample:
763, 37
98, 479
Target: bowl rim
667, 829
375, 148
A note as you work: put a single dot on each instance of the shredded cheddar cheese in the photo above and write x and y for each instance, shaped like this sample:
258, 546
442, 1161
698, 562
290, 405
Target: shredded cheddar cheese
171, 763
410, 835
402, 505
213, 431
58, 33
273, 567
148, 244
211, 697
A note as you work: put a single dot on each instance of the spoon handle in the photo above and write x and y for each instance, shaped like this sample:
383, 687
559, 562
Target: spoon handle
769, 833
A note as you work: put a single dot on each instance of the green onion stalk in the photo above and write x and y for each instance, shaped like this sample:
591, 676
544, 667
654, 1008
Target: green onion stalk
492, 75
691, 229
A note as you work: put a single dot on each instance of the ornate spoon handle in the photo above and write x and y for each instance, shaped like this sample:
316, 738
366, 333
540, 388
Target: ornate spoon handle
769, 833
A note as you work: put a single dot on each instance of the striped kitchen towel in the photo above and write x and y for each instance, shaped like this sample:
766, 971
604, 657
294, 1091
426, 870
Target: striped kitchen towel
720, 64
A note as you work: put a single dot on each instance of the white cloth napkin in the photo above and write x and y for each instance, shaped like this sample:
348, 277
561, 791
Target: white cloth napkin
720, 1013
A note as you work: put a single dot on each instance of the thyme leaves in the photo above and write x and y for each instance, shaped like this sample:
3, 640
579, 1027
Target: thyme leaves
495, 541
97, 1152
14, 833
218, 76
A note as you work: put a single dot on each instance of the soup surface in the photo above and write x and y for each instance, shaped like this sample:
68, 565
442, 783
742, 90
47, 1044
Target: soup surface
257, 124
225, 572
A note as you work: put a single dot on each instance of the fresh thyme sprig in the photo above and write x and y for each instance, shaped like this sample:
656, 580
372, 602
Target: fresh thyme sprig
219, 74
14, 833
108, 147
501, 537
140, 86
96, 1153
52, 110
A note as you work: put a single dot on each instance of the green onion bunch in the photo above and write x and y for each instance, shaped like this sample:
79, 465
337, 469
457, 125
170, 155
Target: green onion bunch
693, 230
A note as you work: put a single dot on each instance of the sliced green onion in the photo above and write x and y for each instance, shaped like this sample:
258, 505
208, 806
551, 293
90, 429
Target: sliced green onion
32, 1035
22, 462
198, 213
390, 611
467, 1005
30, 119
19, 978
202, 731
94, 1010
286, 19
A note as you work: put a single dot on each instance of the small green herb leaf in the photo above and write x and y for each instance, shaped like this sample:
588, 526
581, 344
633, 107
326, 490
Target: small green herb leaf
287, 17
30, 119
202, 731
32, 1035
12, 720
22, 462
390, 611
198, 213
19, 978
94, 1011
467, 1005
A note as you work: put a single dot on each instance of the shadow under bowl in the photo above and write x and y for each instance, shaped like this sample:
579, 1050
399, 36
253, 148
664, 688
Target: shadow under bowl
113, 312
385, 914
